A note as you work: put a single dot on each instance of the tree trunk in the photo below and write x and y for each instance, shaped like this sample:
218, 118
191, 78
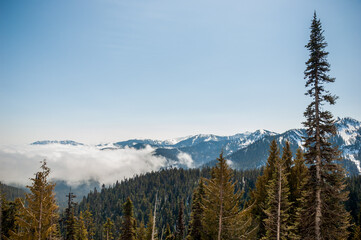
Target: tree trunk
279, 202
318, 213
155, 212
40, 214
221, 208
1, 211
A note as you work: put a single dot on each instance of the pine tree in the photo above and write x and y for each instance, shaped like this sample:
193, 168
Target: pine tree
108, 228
168, 234
357, 229
180, 228
89, 223
8, 212
298, 179
223, 218
1, 214
149, 230
70, 221
195, 225
128, 221
81, 232
259, 194
37, 216
141, 232
324, 213
277, 203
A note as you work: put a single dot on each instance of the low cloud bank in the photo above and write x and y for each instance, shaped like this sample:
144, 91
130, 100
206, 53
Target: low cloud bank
75, 164
185, 159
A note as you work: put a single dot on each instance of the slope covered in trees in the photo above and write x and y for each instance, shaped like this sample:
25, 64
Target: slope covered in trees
172, 186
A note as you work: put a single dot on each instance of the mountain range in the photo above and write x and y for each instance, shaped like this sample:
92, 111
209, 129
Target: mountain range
243, 150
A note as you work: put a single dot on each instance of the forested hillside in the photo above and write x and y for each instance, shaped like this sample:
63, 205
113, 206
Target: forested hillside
10, 193
172, 187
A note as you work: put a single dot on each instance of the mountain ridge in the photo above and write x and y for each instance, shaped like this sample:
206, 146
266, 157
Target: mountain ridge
245, 150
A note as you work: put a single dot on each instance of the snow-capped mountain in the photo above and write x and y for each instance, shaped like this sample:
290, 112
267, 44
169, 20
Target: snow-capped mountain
63, 142
245, 150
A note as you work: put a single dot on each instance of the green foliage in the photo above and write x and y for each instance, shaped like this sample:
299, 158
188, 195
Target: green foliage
298, 179
37, 216
128, 222
89, 223
140, 233
81, 232
70, 221
259, 194
168, 234
172, 185
324, 216
180, 228
149, 230
7, 216
195, 224
222, 217
11, 193
277, 201
108, 229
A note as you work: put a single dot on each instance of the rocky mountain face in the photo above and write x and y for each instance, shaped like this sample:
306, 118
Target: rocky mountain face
244, 150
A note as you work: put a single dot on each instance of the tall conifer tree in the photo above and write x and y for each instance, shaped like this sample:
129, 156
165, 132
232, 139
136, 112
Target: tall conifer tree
223, 218
277, 203
108, 229
195, 225
259, 194
324, 215
89, 223
298, 179
180, 228
37, 217
81, 232
141, 232
128, 222
149, 230
70, 221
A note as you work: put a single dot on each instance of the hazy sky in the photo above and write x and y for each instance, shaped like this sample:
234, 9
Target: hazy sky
107, 70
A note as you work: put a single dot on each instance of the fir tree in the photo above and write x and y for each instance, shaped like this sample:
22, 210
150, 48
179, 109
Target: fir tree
70, 221
180, 228
222, 216
128, 221
37, 217
324, 213
298, 179
108, 229
89, 223
277, 204
357, 229
140, 233
1, 214
8, 216
81, 232
259, 194
149, 231
195, 225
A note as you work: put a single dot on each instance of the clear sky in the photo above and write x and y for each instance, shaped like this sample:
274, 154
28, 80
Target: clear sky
108, 70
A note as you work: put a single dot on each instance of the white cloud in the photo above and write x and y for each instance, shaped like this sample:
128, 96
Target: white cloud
230, 163
75, 163
185, 159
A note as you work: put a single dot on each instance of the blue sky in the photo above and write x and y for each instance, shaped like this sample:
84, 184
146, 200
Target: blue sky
107, 70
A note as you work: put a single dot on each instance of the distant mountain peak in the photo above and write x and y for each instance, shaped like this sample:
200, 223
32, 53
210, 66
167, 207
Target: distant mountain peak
63, 142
